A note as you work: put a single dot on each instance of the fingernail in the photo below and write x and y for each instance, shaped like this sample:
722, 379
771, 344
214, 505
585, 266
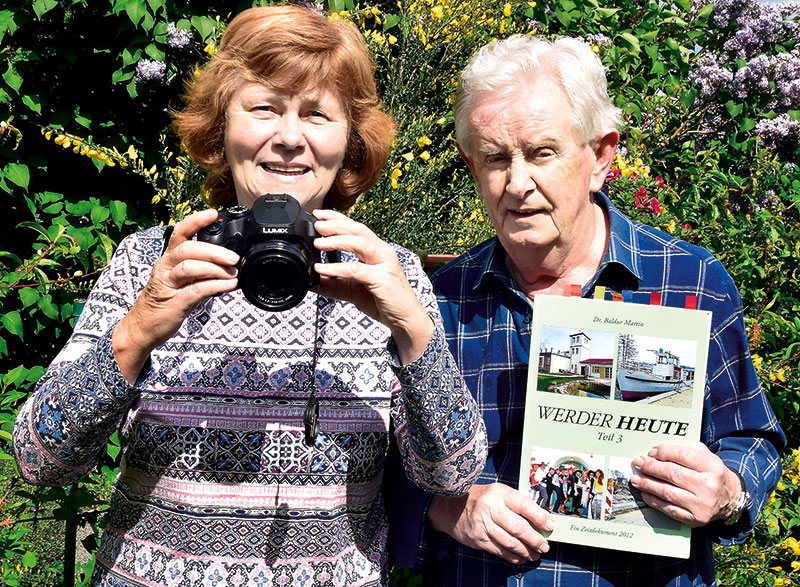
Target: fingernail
637, 462
549, 524
635, 480
653, 452
544, 548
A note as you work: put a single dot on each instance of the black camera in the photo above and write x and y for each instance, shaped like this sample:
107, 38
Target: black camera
275, 240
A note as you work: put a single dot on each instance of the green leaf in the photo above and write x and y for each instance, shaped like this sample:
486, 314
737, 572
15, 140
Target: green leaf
390, 21
12, 78
119, 211
747, 124
685, 5
33, 102
606, 12
733, 108
108, 246
705, 12
28, 295
18, 174
99, 214
335, 5
153, 51
205, 26
47, 306
136, 10
631, 41
40, 7
7, 23
29, 559
13, 323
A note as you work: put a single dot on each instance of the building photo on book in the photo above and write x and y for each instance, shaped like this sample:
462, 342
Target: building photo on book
608, 381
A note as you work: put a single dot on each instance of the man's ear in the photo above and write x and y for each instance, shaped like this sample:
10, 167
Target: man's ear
604, 150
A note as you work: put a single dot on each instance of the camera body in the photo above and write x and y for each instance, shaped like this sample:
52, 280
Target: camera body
275, 241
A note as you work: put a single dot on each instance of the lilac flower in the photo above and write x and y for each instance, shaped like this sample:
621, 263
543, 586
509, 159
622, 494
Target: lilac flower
709, 75
598, 39
312, 6
178, 38
779, 131
149, 70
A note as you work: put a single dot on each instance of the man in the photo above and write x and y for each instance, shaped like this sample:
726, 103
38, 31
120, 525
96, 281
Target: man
536, 127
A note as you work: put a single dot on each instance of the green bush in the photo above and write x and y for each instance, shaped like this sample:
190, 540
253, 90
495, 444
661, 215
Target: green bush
711, 98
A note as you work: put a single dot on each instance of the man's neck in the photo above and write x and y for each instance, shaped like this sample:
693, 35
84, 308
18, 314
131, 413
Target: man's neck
554, 270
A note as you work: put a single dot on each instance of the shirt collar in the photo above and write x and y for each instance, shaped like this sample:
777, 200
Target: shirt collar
622, 249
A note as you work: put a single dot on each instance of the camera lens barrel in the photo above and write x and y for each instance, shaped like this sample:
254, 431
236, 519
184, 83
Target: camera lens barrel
276, 275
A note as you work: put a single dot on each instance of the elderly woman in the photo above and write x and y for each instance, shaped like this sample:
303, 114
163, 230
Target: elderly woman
226, 480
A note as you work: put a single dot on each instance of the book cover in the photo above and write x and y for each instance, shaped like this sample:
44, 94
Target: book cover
607, 381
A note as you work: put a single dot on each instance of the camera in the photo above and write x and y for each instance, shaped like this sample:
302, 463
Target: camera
275, 241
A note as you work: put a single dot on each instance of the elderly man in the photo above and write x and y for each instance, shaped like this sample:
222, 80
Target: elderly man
536, 127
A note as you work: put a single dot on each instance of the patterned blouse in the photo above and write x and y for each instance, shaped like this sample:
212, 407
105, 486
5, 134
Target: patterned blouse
216, 485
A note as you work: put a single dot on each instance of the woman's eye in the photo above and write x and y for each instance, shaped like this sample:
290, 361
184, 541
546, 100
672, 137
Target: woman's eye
316, 114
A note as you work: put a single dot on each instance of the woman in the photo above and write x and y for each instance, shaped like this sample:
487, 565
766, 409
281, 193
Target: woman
597, 495
222, 482
588, 488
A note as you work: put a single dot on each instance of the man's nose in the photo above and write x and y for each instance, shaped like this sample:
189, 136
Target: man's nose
520, 181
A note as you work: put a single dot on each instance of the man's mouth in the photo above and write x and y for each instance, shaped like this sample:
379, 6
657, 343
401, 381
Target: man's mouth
284, 169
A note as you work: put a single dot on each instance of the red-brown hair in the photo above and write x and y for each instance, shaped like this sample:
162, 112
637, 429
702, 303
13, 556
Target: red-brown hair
287, 48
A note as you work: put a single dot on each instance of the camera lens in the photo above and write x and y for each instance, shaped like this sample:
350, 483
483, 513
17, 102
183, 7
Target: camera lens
275, 276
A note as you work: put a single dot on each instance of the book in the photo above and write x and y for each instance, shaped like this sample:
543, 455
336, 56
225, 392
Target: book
607, 381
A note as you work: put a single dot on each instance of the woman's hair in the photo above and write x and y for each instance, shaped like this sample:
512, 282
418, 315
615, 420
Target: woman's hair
501, 65
288, 48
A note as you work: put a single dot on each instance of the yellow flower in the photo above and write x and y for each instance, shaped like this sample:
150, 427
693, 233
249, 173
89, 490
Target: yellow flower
507, 9
671, 226
795, 566
211, 49
408, 156
757, 361
437, 12
596, 48
423, 141
425, 155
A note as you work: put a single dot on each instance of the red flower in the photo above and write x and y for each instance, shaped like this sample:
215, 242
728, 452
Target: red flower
656, 207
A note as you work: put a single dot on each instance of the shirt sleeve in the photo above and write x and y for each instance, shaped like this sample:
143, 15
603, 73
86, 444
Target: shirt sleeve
83, 397
739, 424
438, 428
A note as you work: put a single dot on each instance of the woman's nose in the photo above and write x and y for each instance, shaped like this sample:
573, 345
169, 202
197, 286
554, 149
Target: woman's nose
290, 131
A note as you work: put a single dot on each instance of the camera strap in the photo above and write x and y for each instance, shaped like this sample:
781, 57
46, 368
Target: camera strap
311, 414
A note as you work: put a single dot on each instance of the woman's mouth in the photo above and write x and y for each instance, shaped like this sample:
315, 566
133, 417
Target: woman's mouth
284, 169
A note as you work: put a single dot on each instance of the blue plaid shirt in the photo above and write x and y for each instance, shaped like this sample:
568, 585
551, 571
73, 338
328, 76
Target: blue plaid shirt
488, 324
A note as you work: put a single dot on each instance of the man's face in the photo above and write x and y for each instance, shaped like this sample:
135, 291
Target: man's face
533, 171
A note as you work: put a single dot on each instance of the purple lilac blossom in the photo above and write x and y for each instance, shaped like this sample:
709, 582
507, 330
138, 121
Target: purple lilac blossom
709, 75
312, 6
178, 38
598, 39
149, 70
779, 130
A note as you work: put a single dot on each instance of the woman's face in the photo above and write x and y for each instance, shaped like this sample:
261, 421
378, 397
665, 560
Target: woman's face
282, 142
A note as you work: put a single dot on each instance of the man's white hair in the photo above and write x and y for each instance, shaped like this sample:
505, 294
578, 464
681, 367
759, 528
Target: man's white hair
507, 64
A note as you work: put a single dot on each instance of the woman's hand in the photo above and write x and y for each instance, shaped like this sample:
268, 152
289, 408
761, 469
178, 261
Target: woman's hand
187, 273
376, 284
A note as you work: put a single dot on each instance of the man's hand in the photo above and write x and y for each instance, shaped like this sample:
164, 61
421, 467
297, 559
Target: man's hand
494, 518
688, 483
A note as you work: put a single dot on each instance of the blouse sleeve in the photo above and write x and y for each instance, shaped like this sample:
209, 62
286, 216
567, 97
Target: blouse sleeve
83, 397
437, 424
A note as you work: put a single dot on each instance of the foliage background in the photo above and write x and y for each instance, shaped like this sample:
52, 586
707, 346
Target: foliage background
711, 96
